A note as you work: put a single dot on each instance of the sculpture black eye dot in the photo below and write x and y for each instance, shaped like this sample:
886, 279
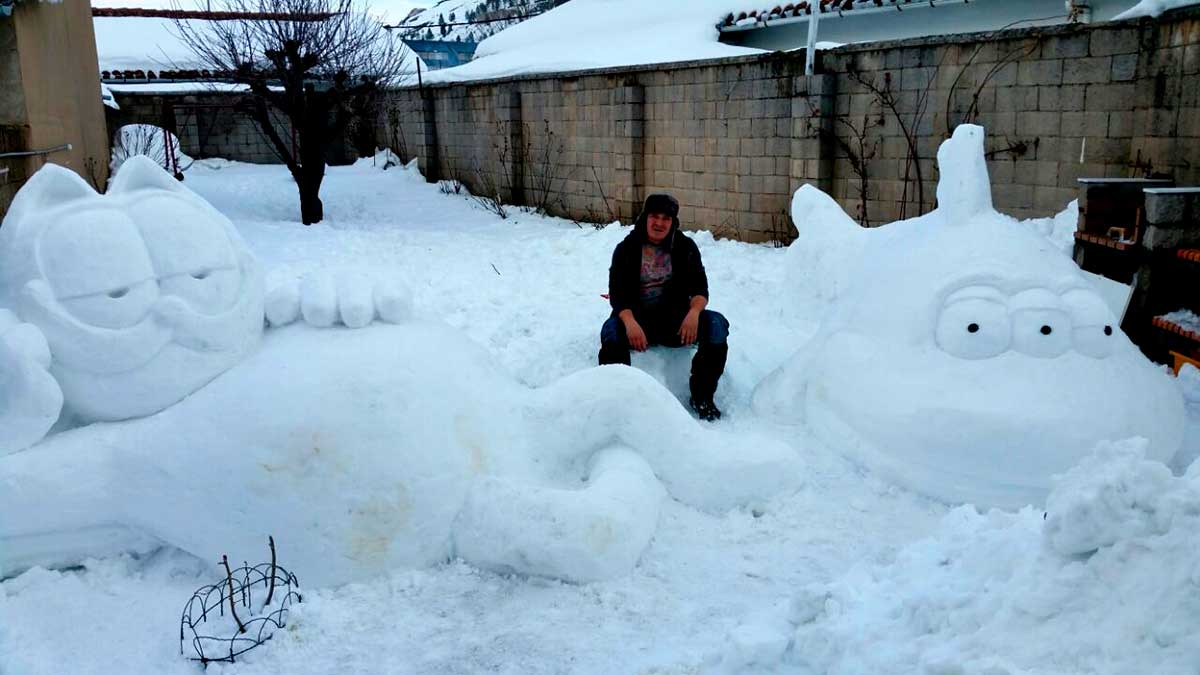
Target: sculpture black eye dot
973, 328
1046, 330
202, 274
1108, 330
119, 293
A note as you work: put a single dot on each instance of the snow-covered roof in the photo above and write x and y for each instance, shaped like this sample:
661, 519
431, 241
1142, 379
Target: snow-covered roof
584, 34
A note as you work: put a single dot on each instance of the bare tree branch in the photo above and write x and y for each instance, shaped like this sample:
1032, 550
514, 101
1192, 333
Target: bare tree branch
317, 62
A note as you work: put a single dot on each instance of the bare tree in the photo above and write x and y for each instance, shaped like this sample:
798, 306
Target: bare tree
309, 62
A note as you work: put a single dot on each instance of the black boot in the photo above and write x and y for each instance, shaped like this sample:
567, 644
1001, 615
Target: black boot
707, 366
613, 354
705, 410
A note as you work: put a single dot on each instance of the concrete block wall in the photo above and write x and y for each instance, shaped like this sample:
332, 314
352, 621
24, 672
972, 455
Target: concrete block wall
1110, 100
732, 139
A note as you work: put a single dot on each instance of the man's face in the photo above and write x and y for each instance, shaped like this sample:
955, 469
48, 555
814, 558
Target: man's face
658, 225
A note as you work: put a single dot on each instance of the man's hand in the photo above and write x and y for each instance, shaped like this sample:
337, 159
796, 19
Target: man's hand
634, 332
690, 327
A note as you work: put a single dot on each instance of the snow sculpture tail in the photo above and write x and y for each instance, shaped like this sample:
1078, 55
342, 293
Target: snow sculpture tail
709, 470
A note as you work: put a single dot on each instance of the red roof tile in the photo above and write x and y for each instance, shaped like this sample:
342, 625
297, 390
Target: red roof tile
202, 15
797, 9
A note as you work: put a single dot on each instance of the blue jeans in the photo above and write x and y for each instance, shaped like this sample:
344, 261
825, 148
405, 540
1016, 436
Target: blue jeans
711, 340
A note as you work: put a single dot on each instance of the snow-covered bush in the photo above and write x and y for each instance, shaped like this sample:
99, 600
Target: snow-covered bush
153, 142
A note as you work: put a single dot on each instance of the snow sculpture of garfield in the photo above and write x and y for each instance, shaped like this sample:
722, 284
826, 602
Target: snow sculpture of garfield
361, 451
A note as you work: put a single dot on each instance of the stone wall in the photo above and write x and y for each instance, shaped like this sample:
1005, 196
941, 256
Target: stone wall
733, 138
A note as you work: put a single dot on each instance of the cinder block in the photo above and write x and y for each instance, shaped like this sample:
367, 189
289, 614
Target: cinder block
1040, 72
1049, 199
1110, 41
1039, 123
1110, 97
1062, 99
1066, 46
1170, 237
1124, 67
1169, 208
1120, 124
1016, 99
1090, 70
753, 147
762, 166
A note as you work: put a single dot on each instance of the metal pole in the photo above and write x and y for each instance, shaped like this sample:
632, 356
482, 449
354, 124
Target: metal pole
34, 153
810, 50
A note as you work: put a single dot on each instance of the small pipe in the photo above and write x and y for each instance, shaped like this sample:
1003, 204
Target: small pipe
810, 49
34, 153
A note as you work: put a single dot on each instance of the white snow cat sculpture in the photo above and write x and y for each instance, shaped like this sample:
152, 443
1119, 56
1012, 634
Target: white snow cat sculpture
362, 451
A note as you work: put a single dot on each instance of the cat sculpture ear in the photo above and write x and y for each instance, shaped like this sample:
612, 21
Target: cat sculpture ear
51, 186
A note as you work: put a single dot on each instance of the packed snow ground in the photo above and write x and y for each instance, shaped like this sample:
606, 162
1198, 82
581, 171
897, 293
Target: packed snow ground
528, 289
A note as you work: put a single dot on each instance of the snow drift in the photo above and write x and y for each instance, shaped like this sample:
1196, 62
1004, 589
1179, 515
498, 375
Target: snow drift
1104, 582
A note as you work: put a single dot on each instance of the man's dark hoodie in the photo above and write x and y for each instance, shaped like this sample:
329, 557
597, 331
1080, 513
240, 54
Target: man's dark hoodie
687, 272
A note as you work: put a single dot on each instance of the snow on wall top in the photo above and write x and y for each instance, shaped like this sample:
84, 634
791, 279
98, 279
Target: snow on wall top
585, 34
1155, 7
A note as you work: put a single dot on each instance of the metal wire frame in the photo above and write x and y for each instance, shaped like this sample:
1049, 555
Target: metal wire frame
238, 588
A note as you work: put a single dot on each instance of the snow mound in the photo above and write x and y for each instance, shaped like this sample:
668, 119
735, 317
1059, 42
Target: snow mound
1060, 229
144, 294
1106, 583
960, 353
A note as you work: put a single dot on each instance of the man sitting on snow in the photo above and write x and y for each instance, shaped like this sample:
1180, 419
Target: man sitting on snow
658, 291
